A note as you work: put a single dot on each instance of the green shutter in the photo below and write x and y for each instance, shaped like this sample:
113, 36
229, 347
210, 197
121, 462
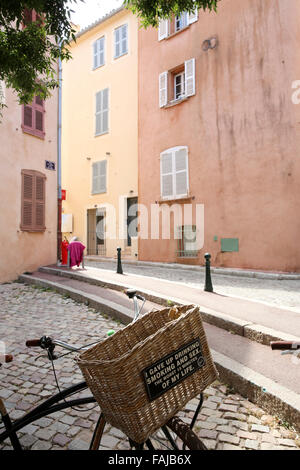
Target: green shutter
230, 245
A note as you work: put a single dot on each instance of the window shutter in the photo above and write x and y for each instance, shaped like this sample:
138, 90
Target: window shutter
166, 165
96, 55
40, 202
27, 201
102, 177
102, 112
190, 77
99, 177
124, 39
28, 116
163, 29
181, 169
193, 17
163, 89
33, 201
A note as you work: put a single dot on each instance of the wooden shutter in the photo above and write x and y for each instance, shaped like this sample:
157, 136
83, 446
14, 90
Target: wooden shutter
181, 171
166, 171
33, 201
163, 89
163, 29
96, 55
193, 17
99, 46
33, 121
190, 88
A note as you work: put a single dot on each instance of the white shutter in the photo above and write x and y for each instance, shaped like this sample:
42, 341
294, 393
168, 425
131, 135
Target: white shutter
99, 177
102, 112
192, 17
163, 29
190, 77
102, 176
166, 172
181, 170
163, 89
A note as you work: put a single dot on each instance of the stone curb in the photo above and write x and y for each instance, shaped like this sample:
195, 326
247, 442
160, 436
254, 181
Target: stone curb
221, 271
249, 330
267, 394
262, 391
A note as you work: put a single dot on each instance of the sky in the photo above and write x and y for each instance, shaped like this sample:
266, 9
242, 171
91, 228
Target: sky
89, 11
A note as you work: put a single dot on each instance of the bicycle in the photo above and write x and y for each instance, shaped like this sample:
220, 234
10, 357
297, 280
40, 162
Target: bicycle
174, 433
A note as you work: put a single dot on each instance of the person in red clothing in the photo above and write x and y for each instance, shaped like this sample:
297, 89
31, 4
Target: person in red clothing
76, 249
64, 252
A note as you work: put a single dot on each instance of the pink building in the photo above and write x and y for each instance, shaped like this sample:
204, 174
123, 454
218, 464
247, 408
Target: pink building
28, 184
218, 130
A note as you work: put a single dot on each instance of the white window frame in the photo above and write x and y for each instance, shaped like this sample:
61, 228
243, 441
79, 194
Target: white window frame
182, 86
120, 41
97, 54
173, 151
101, 113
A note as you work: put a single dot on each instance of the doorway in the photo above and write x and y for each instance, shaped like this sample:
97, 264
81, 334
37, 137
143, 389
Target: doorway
132, 219
96, 232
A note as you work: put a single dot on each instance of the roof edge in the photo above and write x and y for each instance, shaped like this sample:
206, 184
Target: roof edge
101, 20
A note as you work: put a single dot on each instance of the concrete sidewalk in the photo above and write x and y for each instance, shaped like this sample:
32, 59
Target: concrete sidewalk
267, 378
254, 320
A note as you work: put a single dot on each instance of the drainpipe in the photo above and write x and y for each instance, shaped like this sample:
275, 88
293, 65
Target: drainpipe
59, 234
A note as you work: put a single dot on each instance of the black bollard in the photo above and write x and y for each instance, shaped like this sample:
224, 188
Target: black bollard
208, 284
119, 269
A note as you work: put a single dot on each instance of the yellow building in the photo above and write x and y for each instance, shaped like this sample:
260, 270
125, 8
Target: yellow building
100, 136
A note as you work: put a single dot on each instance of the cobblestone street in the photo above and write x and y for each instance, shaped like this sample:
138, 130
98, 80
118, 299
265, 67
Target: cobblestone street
227, 420
282, 293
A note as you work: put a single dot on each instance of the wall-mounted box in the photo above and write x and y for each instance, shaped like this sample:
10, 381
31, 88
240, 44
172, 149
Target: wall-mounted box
230, 245
67, 223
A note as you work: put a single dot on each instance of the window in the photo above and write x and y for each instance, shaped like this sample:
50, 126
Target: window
174, 173
33, 118
99, 54
30, 16
121, 40
177, 84
181, 21
102, 110
187, 242
33, 201
99, 177
168, 27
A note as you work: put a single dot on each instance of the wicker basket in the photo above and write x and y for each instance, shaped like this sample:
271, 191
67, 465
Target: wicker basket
119, 369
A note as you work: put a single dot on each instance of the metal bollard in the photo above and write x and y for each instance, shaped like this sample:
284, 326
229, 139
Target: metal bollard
119, 268
208, 284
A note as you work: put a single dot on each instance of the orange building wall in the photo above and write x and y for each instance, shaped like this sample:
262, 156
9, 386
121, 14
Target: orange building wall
241, 127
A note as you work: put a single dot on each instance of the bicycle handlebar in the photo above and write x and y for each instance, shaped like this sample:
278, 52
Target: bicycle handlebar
284, 345
33, 343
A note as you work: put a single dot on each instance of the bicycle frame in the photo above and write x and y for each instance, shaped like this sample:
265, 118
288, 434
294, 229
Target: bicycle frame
48, 407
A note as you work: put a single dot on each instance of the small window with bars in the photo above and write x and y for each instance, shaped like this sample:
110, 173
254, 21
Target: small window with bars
187, 242
33, 199
121, 41
33, 118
